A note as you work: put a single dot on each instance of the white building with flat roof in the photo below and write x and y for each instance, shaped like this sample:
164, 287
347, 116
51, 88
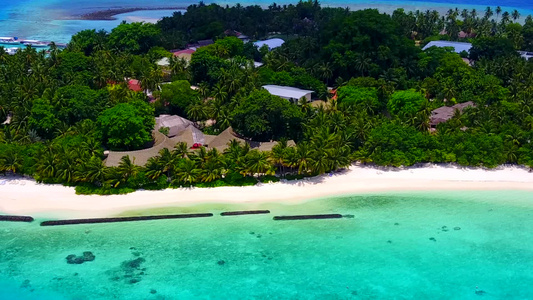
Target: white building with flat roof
270, 43
290, 93
458, 47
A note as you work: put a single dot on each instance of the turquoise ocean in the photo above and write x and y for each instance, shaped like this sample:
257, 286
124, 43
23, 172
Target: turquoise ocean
416, 245
52, 19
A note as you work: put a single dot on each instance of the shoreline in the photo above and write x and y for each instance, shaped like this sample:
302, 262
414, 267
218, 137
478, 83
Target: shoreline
26, 197
109, 14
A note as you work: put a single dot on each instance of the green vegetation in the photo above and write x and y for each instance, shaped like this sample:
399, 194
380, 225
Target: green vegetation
126, 126
66, 107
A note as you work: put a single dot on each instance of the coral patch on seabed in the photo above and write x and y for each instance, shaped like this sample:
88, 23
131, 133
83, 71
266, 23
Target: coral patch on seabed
78, 260
130, 271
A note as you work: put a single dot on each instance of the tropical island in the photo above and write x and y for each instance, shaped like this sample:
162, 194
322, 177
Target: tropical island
233, 96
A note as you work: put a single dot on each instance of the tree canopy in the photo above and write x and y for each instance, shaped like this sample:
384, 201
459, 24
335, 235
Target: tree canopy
127, 126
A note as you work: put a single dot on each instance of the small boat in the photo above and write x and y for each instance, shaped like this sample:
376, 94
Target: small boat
9, 40
35, 43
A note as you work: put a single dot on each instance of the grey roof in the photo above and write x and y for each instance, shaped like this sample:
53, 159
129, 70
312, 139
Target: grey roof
444, 113
191, 135
286, 91
271, 43
457, 46
175, 124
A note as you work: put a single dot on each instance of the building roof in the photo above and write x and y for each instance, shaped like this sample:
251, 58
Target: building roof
191, 135
444, 113
286, 91
175, 124
525, 54
271, 43
458, 47
185, 51
163, 62
221, 141
134, 85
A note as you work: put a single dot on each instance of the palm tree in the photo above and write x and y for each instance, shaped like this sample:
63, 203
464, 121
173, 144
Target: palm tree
47, 165
303, 156
505, 17
127, 168
220, 92
498, 12
212, 170
181, 150
277, 154
94, 171
187, 172
362, 63
197, 112
488, 12
168, 161
324, 71
256, 162
11, 161
154, 168
516, 15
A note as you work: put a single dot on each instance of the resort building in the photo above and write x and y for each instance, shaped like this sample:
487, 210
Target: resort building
163, 62
458, 47
183, 130
175, 124
270, 43
445, 113
290, 93
526, 55
185, 54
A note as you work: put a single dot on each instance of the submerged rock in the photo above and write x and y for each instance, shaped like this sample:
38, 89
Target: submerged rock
25, 284
221, 262
432, 239
132, 264
152, 291
78, 260
480, 292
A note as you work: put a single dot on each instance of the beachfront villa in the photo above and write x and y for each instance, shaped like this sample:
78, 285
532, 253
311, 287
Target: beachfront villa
445, 113
290, 93
183, 130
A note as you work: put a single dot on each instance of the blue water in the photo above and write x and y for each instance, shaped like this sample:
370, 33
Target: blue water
45, 19
430, 245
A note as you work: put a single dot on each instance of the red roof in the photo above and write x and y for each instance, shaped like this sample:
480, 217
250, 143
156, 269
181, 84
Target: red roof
134, 85
186, 51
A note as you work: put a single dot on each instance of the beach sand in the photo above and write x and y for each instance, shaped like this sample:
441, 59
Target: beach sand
26, 197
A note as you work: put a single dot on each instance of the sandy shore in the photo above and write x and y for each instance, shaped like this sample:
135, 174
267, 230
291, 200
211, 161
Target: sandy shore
26, 197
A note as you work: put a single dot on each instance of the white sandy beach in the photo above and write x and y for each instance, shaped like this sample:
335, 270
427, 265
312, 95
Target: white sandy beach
26, 197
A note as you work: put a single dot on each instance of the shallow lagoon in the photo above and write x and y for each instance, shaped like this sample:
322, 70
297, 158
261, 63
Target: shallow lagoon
398, 246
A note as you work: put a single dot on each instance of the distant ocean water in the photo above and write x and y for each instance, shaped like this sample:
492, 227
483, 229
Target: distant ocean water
408, 245
44, 19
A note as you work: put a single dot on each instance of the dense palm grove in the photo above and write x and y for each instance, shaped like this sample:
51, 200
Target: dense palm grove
62, 109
